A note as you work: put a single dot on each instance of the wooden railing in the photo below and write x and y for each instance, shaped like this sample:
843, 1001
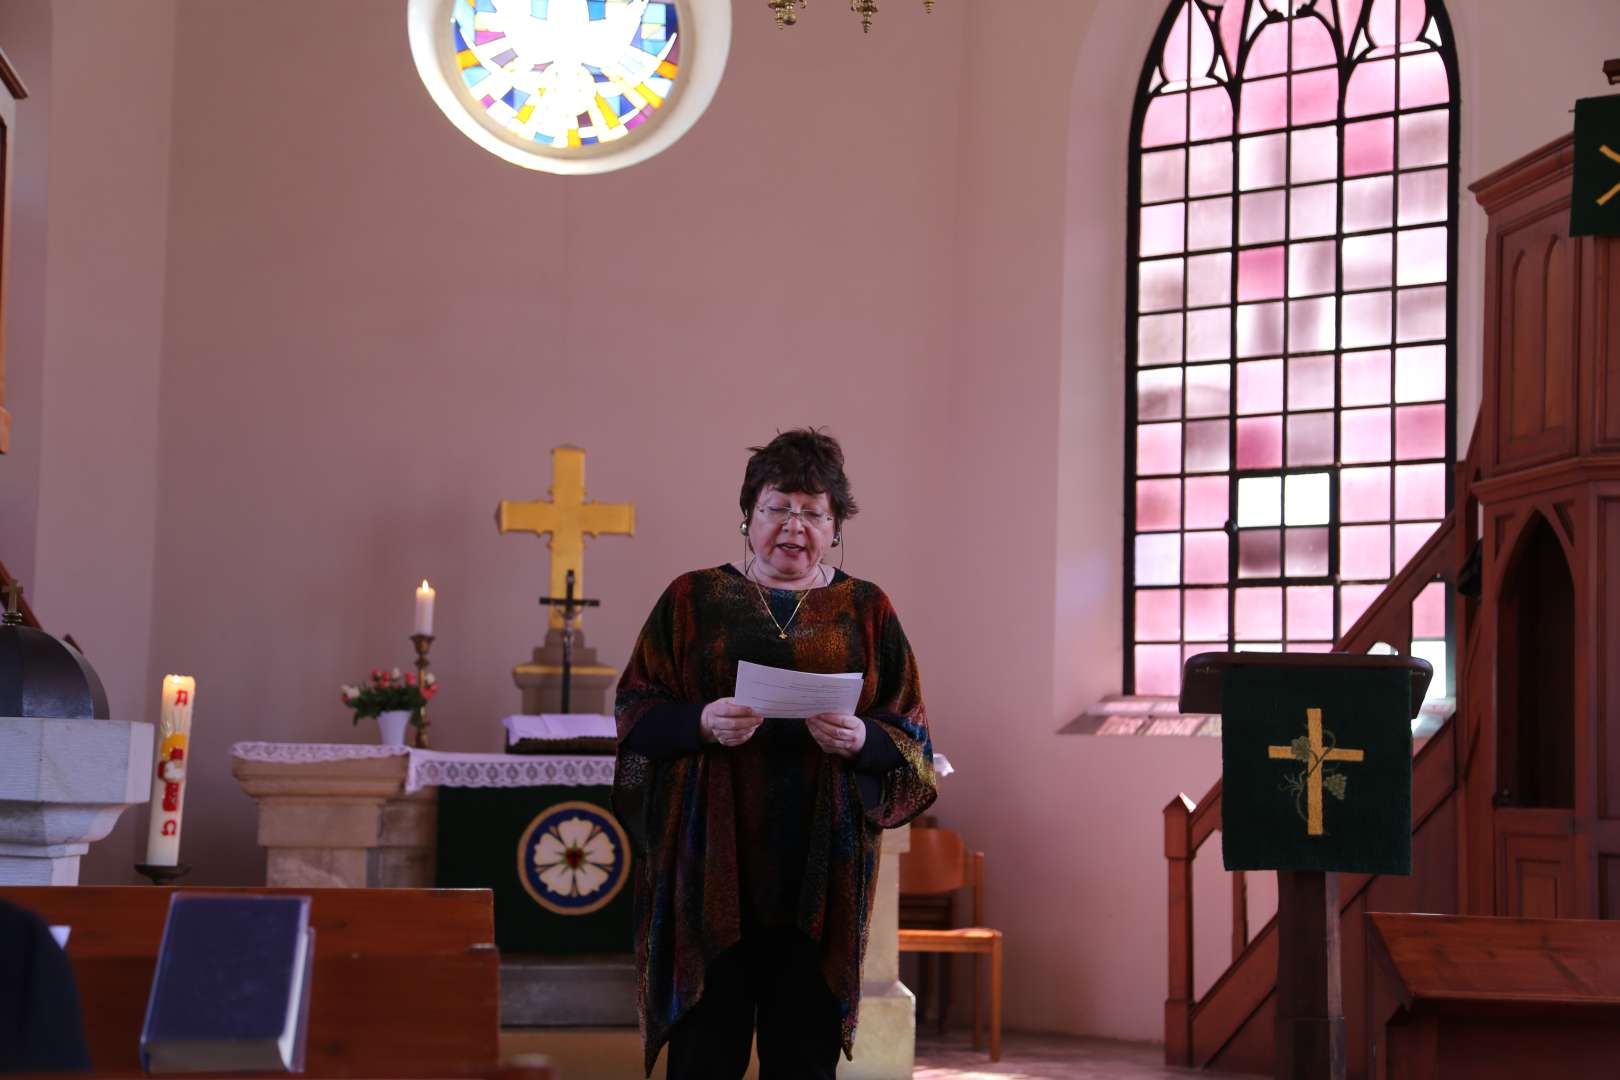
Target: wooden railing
6, 581
1188, 824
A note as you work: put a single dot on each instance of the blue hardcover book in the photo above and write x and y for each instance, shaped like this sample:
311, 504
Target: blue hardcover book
231, 991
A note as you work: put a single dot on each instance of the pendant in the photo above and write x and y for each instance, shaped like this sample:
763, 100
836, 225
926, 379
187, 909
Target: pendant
783, 635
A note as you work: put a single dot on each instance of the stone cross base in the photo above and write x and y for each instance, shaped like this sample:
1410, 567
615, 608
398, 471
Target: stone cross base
63, 784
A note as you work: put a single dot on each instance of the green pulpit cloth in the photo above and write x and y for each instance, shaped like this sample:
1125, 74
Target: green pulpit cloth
1594, 204
1317, 768
556, 857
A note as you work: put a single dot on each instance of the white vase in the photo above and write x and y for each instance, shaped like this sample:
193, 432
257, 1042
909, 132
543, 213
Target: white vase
391, 726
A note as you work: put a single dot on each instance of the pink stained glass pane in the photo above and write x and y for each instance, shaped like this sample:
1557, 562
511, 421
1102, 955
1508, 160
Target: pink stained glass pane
1189, 49
1312, 325
1259, 329
1209, 390
1425, 139
1261, 161
1423, 81
1260, 553
1420, 432
1260, 387
1209, 279
1310, 439
1313, 47
1314, 155
1364, 494
1158, 394
1158, 669
1207, 446
1368, 261
1231, 25
1314, 211
1364, 552
1158, 449
1211, 113
1158, 340
1164, 175
1159, 284
1369, 203
1206, 558
1163, 228
1206, 616
1158, 558
1366, 320
1310, 613
1422, 256
1363, 435
1410, 538
1268, 52
1349, 17
1390, 22
1258, 612
1316, 99
1310, 382
1259, 443
1311, 268
1429, 611
1261, 217
1424, 196
1158, 504
1209, 334
1265, 105
1207, 505
1420, 373
1354, 600
1209, 224
1166, 120
1372, 88
1260, 273
1420, 314
1420, 492
1209, 169
1365, 378
1305, 552
1158, 615
1369, 147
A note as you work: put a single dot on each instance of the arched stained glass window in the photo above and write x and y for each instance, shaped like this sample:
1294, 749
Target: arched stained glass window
1291, 318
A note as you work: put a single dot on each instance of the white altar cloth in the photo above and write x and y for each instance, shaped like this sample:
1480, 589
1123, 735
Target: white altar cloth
436, 768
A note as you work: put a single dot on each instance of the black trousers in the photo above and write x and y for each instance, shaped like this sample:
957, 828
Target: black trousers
772, 985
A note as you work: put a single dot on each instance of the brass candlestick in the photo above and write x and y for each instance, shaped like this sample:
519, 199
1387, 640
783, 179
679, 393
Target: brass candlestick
423, 643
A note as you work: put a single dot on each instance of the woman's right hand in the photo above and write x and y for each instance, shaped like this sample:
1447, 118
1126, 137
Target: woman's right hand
727, 723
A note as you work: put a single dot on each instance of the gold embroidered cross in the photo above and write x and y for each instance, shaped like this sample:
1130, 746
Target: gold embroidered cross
1612, 192
1315, 754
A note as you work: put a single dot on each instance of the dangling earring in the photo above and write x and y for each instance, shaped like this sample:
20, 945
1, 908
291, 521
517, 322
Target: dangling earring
743, 528
837, 539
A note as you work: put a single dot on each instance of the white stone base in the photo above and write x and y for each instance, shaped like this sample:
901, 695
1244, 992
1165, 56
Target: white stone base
886, 1039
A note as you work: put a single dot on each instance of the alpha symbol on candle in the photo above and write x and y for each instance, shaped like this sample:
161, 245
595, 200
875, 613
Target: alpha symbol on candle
182, 697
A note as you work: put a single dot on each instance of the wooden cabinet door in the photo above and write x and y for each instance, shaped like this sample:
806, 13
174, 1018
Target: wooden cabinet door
1537, 860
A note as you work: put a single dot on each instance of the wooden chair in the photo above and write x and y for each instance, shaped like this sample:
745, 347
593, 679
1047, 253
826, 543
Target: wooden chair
938, 864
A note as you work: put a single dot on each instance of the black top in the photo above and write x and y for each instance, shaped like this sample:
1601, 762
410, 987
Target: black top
41, 1029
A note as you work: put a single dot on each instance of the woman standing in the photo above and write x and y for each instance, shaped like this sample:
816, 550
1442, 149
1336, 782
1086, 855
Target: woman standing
756, 840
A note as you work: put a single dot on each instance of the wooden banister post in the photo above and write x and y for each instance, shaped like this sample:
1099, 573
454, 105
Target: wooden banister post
1240, 914
1178, 1002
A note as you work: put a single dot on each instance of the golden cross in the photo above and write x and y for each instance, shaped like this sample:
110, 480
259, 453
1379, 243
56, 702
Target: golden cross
1612, 192
569, 517
1320, 756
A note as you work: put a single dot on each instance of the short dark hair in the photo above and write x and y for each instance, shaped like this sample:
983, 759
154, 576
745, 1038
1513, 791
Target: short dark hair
802, 460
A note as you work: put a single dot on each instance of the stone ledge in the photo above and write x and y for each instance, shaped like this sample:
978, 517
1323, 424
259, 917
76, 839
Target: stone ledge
575, 991
1145, 714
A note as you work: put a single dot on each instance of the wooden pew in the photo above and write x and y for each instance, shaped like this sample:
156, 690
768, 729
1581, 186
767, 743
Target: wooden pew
1488, 998
406, 982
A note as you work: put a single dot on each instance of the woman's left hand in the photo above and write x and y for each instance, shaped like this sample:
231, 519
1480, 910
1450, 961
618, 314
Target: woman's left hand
837, 733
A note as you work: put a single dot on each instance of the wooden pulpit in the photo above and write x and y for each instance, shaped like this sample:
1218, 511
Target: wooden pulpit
1316, 761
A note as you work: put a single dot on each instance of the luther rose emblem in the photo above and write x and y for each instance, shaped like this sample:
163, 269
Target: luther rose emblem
574, 858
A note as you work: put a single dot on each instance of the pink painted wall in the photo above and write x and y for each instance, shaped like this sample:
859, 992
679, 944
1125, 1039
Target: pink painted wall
372, 331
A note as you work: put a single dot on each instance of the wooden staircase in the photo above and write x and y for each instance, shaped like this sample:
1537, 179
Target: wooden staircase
1230, 1027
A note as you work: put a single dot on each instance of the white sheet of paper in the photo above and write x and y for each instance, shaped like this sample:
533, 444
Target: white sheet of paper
60, 933
795, 695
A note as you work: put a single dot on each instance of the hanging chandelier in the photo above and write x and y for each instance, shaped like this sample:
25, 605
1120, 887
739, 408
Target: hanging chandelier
787, 11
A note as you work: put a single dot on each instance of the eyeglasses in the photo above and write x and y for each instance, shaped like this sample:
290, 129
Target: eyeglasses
778, 515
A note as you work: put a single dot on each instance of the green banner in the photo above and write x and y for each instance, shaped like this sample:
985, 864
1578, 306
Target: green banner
1595, 199
1317, 769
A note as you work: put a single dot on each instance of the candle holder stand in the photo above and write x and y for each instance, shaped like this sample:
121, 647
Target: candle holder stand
163, 875
423, 643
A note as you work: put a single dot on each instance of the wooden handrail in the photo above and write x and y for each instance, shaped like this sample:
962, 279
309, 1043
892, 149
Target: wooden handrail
1188, 824
6, 581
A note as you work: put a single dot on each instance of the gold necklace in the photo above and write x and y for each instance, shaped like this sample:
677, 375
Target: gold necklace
781, 627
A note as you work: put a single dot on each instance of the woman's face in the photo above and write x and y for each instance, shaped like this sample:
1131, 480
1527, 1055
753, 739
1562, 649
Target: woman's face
789, 550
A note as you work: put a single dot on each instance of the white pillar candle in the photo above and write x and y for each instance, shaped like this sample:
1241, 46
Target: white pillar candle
424, 608
169, 771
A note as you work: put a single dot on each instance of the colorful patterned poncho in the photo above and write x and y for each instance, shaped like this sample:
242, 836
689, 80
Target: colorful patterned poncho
773, 833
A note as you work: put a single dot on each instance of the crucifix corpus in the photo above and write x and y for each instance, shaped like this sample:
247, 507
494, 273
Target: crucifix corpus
566, 519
